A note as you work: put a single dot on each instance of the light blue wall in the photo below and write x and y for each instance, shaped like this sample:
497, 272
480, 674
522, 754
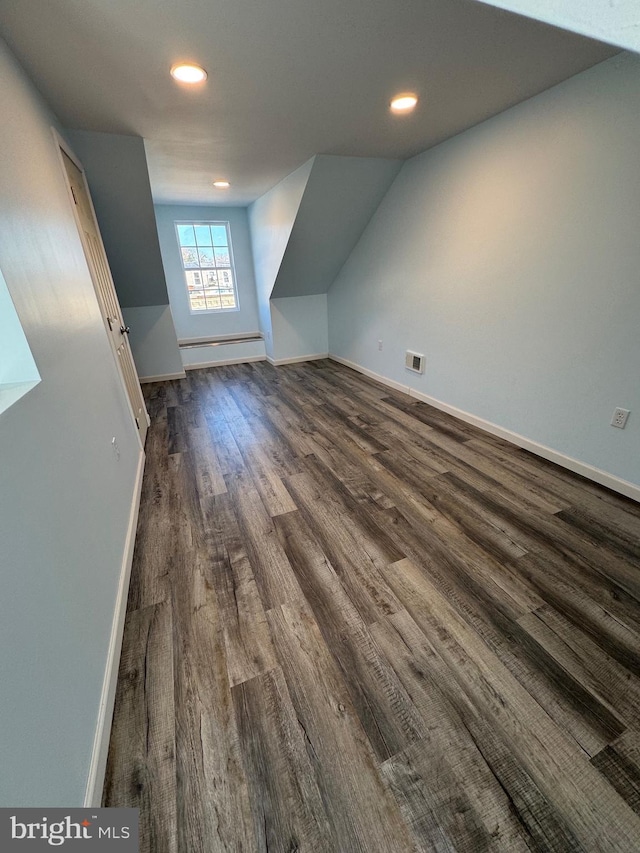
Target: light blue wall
64, 497
509, 256
271, 218
207, 325
299, 326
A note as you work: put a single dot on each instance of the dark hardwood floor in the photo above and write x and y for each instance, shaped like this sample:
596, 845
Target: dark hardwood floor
358, 624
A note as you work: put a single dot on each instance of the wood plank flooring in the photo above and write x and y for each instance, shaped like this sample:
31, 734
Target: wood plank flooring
358, 625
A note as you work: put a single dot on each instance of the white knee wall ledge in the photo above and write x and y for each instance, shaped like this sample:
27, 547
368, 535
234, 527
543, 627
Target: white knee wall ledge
616, 484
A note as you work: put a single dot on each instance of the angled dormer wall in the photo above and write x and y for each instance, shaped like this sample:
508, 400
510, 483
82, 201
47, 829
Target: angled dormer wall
303, 230
271, 219
340, 197
118, 177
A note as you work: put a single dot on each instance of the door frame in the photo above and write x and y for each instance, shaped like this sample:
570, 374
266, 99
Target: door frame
63, 145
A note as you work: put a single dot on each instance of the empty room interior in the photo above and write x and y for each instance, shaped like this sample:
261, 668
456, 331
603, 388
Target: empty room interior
320, 421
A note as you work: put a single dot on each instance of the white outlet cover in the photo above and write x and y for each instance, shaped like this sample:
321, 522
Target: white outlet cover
619, 418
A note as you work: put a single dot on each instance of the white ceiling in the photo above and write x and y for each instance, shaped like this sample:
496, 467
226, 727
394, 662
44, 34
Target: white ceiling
287, 78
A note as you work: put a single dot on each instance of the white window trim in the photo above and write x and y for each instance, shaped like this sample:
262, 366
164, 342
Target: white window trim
232, 265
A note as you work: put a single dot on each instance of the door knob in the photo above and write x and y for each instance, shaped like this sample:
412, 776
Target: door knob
125, 330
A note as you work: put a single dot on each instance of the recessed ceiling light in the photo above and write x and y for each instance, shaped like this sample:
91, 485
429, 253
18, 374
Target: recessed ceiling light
404, 103
187, 72
222, 185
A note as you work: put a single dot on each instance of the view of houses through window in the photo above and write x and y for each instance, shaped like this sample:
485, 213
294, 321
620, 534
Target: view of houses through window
205, 249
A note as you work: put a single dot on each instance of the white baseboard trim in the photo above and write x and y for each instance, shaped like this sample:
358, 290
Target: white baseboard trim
98, 766
616, 484
202, 364
316, 356
162, 378
370, 373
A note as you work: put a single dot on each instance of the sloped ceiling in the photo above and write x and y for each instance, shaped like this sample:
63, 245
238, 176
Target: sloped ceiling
340, 197
288, 79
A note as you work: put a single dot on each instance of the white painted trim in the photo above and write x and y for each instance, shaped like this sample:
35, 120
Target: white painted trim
224, 362
162, 378
241, 337
377, 376
616, 484
316, 356
98, 766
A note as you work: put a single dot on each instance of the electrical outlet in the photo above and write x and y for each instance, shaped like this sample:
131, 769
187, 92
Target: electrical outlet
115, 448
380, 344
619, 418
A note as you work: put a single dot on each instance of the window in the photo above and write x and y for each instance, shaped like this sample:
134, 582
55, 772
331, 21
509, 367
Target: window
18, 371
207, 261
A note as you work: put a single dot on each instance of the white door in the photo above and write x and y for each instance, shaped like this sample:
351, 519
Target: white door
105, 291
